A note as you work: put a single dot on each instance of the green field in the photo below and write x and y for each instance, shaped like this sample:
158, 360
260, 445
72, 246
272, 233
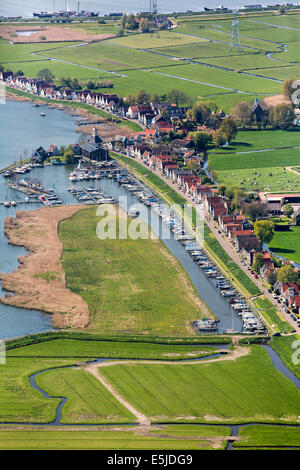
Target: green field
19, 402
287, 244
247, 389
66, 348
128, 438
252, 437
129, 285
88, 401
199, 38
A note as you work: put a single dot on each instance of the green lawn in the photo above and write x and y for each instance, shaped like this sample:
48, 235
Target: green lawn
129, 285
162, 438
151, 41
287, 244
247, 389
88, 401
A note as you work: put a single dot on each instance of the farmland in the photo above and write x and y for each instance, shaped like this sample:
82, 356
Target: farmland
268, 437
226, 390
159, 437
206, 41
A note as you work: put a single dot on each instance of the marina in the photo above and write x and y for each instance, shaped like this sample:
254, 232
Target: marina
92, 183
104, 183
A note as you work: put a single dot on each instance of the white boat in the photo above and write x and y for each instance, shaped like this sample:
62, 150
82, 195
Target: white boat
43, 114
6, 204
13, 203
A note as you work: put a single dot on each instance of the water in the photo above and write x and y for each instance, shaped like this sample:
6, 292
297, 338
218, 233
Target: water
60, 129
22, 127
25, 9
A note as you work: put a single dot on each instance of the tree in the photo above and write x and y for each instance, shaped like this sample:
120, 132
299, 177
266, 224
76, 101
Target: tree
69, 155
258, 262
201, 111
20, 73
201, 140
222, 189
287, 210
264, 230
287, 274
75, 84
45, 75
219, 138
282, 116
282, 9
287, 88
230, 191
241, 114
193, 165
145, 25
229, 129
256, 210
177, 96
123, 20
272, 277
142, 98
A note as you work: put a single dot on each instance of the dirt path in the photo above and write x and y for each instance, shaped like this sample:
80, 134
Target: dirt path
141, 418
39, 282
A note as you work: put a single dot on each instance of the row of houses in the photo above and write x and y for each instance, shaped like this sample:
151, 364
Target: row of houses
159, 116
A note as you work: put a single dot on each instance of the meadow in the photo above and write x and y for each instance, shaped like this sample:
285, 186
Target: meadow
88, 400
162, 437
268, 437
148, 60
129, 285
19, 402
247, 389
66, 348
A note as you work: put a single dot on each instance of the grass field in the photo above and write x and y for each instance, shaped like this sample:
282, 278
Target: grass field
19, 402
129, 285
128, 438
247, 389
62, 348
287, 244
88, 401
268, 437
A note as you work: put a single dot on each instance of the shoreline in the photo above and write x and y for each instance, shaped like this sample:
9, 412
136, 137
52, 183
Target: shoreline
112, 129
39, 281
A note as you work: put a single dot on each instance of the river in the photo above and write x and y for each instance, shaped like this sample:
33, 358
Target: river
25, 9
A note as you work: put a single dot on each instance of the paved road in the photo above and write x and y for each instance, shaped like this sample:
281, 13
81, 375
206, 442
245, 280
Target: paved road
228, 247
